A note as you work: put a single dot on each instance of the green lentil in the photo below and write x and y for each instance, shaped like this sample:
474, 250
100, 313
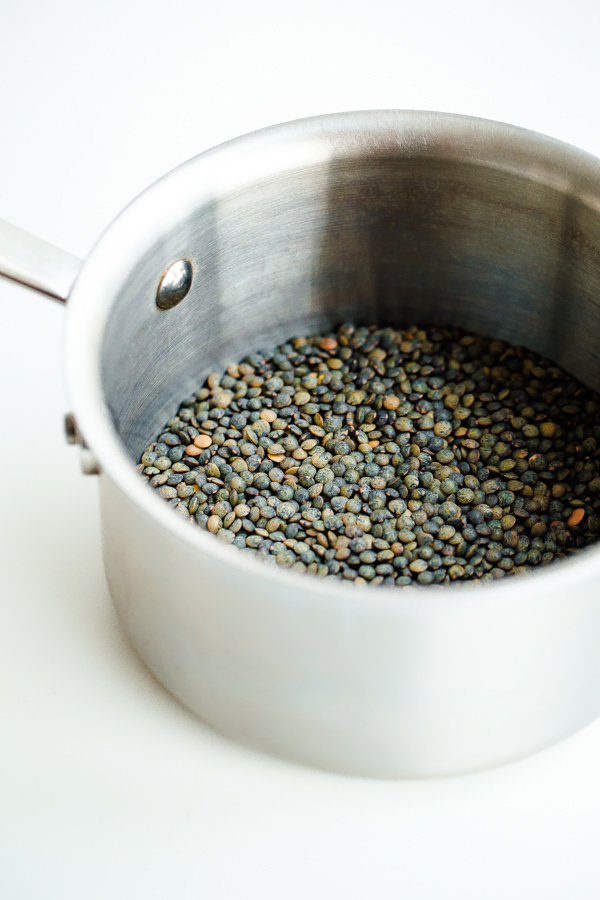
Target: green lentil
382, 456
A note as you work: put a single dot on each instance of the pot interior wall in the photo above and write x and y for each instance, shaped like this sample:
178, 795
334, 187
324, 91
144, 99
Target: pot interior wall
378, 239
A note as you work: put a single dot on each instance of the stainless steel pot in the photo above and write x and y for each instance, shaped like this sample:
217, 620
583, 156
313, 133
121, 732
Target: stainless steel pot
390, 217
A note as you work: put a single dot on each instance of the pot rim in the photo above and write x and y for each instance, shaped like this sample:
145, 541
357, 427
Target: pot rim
248, 158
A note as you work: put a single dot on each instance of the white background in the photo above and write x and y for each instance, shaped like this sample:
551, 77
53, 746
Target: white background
107, 787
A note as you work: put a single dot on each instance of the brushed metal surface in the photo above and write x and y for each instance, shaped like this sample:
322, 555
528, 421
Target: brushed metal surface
389, 217
364, 682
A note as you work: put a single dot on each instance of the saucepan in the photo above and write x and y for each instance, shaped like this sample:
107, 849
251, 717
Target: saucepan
386, 217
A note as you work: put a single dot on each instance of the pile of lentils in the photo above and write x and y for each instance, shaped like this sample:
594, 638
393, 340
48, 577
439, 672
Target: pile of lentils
387, 456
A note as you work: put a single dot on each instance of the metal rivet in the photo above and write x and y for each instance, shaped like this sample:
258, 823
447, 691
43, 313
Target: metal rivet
71, 431
174, 284
89, 463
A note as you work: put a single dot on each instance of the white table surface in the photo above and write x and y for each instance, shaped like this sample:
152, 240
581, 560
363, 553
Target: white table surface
108, 789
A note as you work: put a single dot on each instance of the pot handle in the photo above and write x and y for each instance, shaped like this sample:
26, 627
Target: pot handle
42, 267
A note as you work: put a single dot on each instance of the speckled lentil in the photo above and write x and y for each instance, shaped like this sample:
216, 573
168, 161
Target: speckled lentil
382, 456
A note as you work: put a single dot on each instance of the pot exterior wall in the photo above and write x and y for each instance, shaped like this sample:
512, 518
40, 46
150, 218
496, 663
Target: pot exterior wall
359, 682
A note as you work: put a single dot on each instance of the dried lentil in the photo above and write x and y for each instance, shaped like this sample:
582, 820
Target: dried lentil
388, 457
